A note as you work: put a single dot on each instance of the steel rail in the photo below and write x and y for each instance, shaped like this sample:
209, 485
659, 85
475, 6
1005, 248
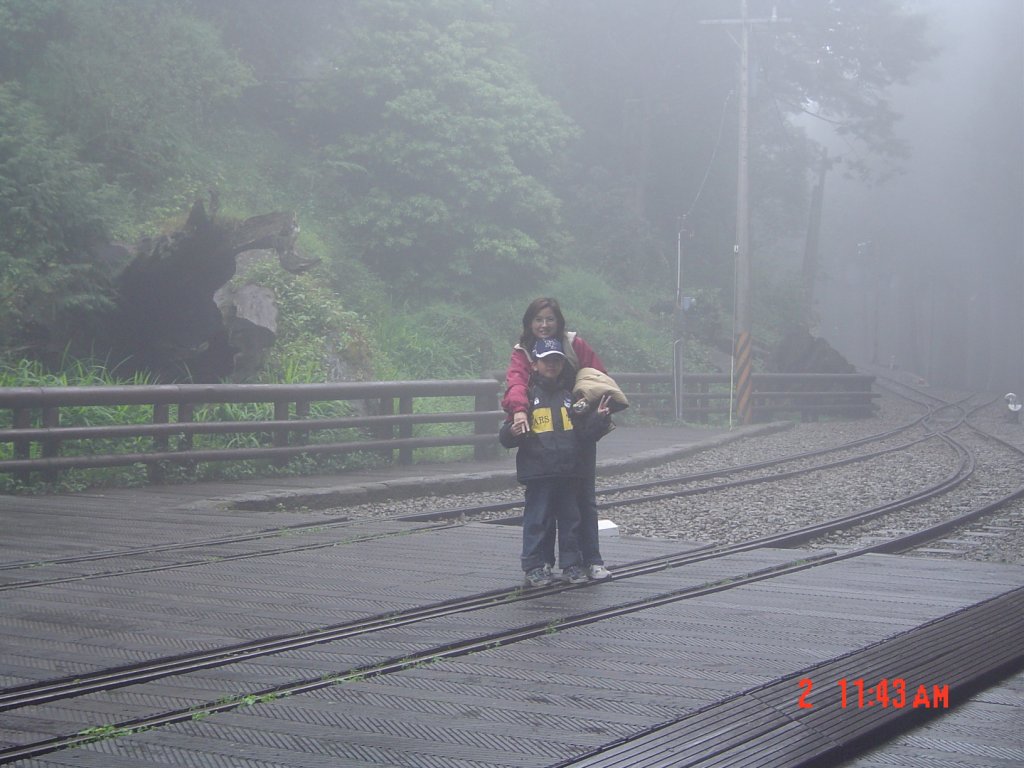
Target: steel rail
761, 478
477, 510
389, 666
437, 653
447, 515
915, 538
218, 558
105, 679
488, 641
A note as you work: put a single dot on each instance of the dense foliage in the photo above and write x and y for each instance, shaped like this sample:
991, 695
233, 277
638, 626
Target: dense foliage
450, 159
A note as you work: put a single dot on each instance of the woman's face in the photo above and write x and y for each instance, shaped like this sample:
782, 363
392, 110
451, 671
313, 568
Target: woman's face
544, 324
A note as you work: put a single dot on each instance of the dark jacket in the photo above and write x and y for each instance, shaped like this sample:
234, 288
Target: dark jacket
552, 447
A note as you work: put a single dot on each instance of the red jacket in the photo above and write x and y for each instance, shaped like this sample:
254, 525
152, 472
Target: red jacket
517, 377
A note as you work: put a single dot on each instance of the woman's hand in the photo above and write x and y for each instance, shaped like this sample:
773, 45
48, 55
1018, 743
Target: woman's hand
520, 423
602, 407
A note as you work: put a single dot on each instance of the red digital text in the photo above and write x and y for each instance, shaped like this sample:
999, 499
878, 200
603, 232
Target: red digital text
858, 693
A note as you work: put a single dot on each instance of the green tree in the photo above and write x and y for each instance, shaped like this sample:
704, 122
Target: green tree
427, 118
140, 84
653, 89
25, 27
837, 61
52, 208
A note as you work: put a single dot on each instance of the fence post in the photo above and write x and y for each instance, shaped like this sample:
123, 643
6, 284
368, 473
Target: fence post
678, 388
386, 407
302, 413
280, 434
155, 470
22, 419
51, 445
186, 414
405, 429
483, 403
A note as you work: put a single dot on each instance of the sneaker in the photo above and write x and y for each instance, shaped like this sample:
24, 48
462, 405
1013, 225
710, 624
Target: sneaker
597, 572
549, 569
538, 577
574, 574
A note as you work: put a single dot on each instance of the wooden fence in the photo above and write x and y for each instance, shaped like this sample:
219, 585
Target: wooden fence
775, 395
38, 435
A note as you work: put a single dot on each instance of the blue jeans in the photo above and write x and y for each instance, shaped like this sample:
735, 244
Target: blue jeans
550, 502
586, 501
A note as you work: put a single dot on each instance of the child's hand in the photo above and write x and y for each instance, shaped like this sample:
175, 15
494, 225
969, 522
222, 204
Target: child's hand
520, 423
602, 407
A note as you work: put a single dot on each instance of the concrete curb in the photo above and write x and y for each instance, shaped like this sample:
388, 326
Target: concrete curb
440, 485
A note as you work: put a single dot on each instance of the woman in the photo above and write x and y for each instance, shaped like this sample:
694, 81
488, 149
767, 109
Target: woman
543, 319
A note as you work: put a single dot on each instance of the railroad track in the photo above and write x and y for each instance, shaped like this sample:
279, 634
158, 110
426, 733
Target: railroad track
986, 494
94, 565
58, 691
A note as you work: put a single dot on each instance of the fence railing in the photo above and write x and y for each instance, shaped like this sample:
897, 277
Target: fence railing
43, 430
378, 417
806, 395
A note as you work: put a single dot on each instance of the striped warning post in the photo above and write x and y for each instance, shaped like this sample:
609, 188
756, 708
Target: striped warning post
744, 381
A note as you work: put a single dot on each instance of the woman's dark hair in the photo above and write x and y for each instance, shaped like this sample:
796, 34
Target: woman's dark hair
527, 339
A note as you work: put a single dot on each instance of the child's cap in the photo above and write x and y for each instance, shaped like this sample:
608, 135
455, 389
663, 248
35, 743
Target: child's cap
545, 347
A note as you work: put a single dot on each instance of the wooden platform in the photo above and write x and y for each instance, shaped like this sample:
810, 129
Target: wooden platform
985, 732
713, 680
541, 702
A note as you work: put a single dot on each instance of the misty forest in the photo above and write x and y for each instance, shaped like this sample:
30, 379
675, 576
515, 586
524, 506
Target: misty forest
276, 191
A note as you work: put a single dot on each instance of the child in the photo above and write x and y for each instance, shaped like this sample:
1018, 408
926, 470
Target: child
549, 462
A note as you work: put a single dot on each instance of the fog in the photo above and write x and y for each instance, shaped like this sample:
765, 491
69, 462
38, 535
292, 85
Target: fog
926, 271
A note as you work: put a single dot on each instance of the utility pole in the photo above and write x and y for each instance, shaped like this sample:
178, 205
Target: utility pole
741, 249
742, 341
809, 271
682, 305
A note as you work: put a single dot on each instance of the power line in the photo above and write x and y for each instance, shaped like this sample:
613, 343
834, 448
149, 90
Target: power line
711, 160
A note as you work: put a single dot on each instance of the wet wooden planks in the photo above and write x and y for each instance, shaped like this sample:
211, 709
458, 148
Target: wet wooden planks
727, 666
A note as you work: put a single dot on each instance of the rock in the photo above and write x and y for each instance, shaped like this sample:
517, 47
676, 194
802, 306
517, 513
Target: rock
800, 352
249, 314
